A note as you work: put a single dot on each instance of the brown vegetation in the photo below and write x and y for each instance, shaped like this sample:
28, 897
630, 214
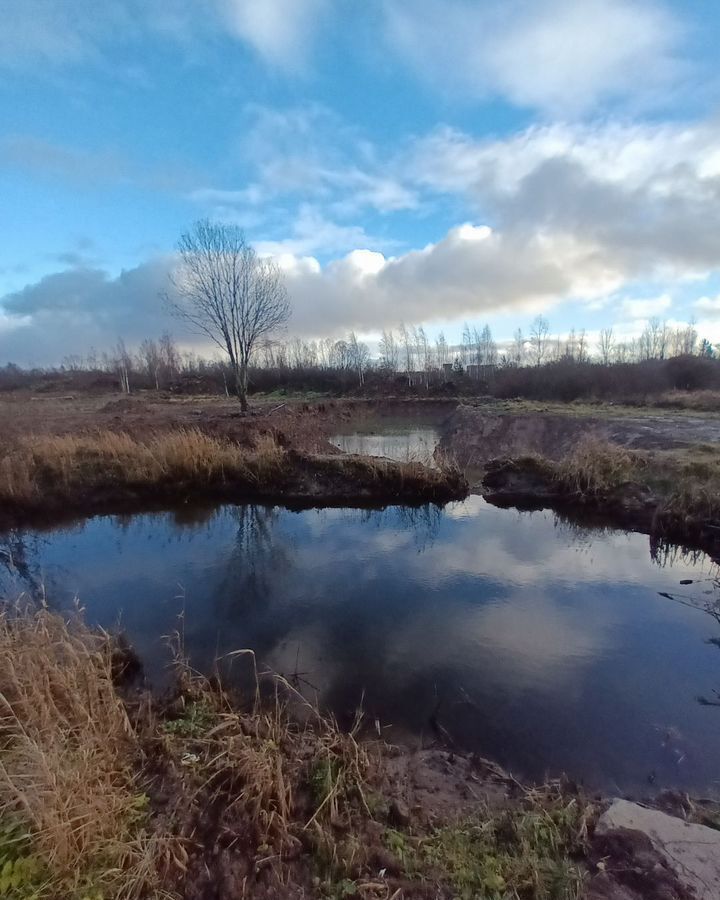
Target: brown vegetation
673, 494
72, 812
110, 469
202, 796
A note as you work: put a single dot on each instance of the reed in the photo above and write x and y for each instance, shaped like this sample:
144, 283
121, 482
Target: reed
72, 814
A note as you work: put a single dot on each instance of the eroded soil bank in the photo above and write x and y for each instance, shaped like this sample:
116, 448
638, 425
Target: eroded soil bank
657, 474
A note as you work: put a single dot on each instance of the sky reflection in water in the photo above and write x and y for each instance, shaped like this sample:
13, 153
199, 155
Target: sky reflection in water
543, 646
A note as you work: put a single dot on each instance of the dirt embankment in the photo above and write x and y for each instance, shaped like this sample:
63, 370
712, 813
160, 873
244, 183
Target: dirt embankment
655, 474
474, 435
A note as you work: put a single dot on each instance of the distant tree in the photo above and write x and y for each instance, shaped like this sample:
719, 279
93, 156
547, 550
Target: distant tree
358, 356
706, 349
606, 345
151, 361
487, 348
226, 292
517, 351
389, 351
539, 334
406, 341
122, 362
441, 350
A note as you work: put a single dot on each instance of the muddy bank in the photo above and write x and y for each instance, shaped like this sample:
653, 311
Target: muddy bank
658, 475
474, 435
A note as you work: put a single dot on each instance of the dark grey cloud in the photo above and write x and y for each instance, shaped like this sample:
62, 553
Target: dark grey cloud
69, 312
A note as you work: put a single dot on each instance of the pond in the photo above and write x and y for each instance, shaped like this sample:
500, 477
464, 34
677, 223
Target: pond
414, 443
546, 647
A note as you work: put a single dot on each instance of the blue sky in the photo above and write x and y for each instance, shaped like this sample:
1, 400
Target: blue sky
432, 161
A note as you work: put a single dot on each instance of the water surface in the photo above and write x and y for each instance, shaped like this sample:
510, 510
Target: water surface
543, 646
412, 443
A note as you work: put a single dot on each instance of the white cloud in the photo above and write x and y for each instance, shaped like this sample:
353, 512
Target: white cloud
307, 155
708, 306
546, 54
281, 31
312, 232
71, 32
646, 308
472, 271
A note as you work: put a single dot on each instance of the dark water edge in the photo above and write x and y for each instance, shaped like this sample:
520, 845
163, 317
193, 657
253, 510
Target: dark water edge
542, 645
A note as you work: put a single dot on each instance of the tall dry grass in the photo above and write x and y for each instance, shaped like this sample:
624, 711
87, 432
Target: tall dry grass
47, 464
282, 763
685, 483
598, 467
71, 810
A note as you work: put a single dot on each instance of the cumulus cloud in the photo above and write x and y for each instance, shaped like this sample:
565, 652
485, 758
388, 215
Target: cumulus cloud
472, 271
646, 197
546, 54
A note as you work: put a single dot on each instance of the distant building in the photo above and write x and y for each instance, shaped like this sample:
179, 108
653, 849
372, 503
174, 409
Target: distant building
480, 373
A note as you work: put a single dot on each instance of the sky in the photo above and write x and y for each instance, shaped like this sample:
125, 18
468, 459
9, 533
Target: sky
428, 161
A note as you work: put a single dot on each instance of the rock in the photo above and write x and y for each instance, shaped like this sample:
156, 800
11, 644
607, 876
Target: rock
691, 851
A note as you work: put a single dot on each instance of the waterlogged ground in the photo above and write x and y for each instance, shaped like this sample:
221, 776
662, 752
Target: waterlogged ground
545, 647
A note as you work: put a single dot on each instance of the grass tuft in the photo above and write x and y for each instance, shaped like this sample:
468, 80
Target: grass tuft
596, 467
71, 812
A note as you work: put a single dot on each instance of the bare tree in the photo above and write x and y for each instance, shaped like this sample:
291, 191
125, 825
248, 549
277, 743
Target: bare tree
406, 341
487, 348
606, 345
122, 363
358, 356
539, 332
441, 350
225, 291
389, 351
517, 352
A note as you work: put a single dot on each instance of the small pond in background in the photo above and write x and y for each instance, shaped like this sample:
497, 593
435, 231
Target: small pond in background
414, 443
546, 647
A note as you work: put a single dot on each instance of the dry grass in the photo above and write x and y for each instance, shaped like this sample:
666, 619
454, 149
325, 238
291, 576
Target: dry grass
684, 483
597, 467
283, 764
274, 797
61, 473
52, 463
697, 401
72, 813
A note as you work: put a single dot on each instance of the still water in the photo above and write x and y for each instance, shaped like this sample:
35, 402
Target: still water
409, 444
543, 646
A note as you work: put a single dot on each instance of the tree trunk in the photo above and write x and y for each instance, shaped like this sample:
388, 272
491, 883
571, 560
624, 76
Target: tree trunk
241, 386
